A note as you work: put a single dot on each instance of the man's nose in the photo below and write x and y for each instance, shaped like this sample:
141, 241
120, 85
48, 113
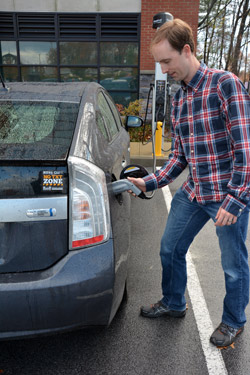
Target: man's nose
164, 68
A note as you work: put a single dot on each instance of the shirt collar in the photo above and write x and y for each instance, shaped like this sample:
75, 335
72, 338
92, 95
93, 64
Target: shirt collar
196, 80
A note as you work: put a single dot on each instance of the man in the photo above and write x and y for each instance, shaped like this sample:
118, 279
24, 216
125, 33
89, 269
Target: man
211, 135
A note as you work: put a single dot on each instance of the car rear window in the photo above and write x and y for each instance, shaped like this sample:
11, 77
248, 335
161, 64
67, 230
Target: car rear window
36, 130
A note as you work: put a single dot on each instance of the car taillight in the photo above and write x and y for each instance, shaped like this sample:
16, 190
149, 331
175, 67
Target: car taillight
89, 219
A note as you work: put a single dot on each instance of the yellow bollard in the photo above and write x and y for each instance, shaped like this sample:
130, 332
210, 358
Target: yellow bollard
158, 138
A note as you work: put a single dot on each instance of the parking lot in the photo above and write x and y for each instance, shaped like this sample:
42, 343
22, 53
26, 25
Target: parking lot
132, 344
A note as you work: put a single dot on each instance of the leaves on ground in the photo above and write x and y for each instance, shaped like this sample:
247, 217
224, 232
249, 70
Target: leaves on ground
226, 347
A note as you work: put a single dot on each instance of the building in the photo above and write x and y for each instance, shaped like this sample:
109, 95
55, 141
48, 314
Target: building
92, 40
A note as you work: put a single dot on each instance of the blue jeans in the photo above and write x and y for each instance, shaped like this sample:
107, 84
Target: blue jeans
185, 220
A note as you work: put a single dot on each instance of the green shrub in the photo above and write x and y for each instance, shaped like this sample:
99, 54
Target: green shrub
134, 109
142, 134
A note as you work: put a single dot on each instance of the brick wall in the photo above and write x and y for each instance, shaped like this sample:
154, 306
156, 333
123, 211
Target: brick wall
187, 10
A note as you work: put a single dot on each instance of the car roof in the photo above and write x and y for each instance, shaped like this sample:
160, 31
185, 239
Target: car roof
56, 91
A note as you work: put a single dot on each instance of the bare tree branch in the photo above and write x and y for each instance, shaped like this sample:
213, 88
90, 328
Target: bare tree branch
208, 13
239, 38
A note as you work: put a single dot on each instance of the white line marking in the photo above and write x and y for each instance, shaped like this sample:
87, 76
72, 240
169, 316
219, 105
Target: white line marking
214, 359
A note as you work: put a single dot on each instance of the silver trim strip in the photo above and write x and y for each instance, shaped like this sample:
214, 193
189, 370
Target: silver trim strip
33, 209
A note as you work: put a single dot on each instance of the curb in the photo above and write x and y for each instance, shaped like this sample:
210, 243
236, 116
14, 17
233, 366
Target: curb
147, 161
142, 154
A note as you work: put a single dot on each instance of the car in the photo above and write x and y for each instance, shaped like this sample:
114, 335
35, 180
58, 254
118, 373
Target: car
65, 234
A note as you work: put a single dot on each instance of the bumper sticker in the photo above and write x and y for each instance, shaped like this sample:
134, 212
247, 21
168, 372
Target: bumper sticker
52, 180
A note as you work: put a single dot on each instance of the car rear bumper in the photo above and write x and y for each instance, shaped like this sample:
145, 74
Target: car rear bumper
77, 291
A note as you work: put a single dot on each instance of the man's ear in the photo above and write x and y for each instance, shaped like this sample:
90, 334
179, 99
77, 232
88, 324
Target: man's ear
187, 50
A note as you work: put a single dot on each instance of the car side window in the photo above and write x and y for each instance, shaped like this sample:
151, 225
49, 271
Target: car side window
107, 114
101, 125
115, 111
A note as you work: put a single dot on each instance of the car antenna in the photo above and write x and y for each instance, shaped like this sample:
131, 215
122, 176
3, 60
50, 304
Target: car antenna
3, 83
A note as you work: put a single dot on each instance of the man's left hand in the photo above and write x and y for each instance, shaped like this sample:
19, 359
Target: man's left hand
224, 218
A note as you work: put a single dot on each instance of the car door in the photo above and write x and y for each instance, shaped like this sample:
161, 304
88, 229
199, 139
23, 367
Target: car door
118, 149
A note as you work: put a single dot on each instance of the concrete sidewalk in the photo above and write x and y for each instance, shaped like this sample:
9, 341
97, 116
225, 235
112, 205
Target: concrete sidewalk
142, 154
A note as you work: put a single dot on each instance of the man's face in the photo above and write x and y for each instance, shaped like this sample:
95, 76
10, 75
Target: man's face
172, 62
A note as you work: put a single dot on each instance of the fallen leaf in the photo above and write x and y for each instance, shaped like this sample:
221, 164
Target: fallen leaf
226, 347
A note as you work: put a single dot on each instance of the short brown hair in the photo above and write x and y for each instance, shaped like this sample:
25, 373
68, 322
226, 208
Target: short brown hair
177, 32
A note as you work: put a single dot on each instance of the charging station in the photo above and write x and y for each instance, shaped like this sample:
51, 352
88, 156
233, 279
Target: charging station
160, 93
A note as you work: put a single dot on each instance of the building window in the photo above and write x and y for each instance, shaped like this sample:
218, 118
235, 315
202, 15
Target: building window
78, 53
9, 73
38, 73
38, 53
73, 47
8, 53
78, 74
119, 53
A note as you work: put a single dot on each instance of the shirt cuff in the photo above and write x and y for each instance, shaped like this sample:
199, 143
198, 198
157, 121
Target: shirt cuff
151, 182
233, 205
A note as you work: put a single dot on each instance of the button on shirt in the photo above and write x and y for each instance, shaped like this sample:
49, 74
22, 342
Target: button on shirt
211, 134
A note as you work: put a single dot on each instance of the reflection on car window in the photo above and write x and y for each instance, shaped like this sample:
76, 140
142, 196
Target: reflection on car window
22, 123
107, 115
101, 125
115, 111
46, 125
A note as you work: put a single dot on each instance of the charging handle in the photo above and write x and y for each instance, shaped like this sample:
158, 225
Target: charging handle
123, 185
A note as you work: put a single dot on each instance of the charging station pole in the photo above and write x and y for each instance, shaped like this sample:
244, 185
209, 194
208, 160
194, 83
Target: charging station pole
159, 93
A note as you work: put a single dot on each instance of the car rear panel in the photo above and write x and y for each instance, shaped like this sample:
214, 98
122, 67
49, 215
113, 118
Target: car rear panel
33, 217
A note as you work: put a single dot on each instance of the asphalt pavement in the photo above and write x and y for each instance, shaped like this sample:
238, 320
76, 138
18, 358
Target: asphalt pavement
133, 344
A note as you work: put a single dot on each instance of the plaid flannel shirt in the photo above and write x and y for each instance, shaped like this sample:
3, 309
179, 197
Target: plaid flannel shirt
211, 134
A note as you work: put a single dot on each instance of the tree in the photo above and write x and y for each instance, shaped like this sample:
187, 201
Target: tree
223, 35
237, 49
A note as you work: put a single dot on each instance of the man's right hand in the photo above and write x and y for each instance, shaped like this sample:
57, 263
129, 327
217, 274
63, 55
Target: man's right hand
138, 182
